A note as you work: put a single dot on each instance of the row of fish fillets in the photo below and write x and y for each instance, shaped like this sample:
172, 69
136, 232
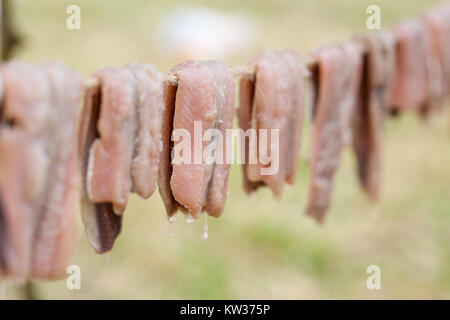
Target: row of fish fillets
38, 169
350, 89
124, 145
132, 116
354, 85
357, 83
423, 68
125, 141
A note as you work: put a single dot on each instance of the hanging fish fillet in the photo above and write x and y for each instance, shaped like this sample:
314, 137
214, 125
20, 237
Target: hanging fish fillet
56, 231
409, 90
437, 27
377, 74
149, 109
110, 155
22, 134
337, 78
120, 145
273, 99
38, 169
204, 94
437, 21
101, 223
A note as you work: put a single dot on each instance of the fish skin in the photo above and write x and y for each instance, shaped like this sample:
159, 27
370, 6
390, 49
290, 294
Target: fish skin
339, 72
244, 112
149, 109
204, 92
409, 90
102, 225
165, 165
377, 78
110, 156
274, 100
22, 169
55, 234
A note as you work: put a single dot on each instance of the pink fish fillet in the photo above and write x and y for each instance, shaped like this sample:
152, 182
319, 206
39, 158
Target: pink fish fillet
100, 221
120, 146
438, 23
55, 234
337, 74
437, 61
377, 76
110, 156
204, 93
149, 111
409, 91
274, 99
23, 162
38, 179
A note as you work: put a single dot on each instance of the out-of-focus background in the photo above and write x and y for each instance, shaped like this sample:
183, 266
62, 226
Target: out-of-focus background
259, 247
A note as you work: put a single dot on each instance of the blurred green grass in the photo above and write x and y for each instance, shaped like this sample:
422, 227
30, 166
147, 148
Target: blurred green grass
260, 247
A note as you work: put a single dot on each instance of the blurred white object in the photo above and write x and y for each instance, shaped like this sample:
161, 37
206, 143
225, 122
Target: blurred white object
204, 33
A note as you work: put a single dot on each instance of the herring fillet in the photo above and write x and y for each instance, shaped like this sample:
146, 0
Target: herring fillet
437, 61
438, 23
273, 100
38, 176
120, 146
23, 162
204, 94
378, 72
55, 234
149, 108
339, 71
195, 101
102, 225
217, 192
410, 82
110, 156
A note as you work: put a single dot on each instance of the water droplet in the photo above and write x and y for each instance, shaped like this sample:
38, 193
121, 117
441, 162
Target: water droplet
107, 257
170, 230
190, 219
205, 229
